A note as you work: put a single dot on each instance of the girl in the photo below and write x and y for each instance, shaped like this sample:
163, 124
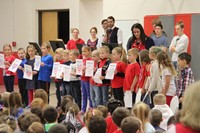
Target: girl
154, 78
179, 43
40, 93
104, 62
58, 58
15, 102
141, 111
168, 73
45, 68
119, 57
93, 41
8, 76
86, 53
31, 85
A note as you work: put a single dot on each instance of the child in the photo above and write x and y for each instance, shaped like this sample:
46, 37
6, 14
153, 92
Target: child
15, 103
31, 85
119, 57
21, 81
41, 93
145, 63
75, 85
8, 76
168, 73
131, 125
141, 110
35, 127
97, 125
103, 63
59, 128
85, 85
156, 119
185, 77
118, 115
66, 84
50, 115
45, 68
155, 85
160, 104
94, 89
104, 110
132, 73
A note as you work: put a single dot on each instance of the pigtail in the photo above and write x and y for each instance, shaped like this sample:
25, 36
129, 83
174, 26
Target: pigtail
123, 55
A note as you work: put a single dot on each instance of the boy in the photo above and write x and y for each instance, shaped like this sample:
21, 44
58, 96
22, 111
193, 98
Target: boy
104, 110
50, 115
58, 128
21, 81
75, 84
156, 119
131, 125
97, 125
160, 104
185, 76
118, 115
132, 73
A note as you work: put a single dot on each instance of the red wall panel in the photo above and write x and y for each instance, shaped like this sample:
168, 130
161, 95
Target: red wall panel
148, 28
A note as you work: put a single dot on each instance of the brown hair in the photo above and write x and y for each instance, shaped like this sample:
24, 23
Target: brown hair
87, 48
90, 113
40, 93
156, 21
119, 114
4, 128
74, 52
159, 99
144, 56
103, 109
181, 24
30, 47
72, 108
15, 102
9, 120
122, 52
37, 103
36, 127
50, 114
155, 117
66, 52
93, 28
131, 124
73, 29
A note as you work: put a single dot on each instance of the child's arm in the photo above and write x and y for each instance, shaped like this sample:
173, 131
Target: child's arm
49, 64
134, 83
167, 82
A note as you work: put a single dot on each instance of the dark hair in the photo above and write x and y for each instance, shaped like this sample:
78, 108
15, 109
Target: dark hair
143, 36
111, 17
159, 25
38, 112
131, 124
113, 104
180, 23
119, 114
185, 56
20, 118
70, 127
103, 109
58, 128
50, 114
171, 120
103, 21
15, 102
97, 125
94, 28
155, 117
64, 102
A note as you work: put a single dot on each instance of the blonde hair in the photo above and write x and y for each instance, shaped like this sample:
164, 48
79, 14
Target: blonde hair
122, 52
141, 111
133, 51
190, 115
74, 52
59, 50
7, 45
36, 127
37, 103
155, 50
40, 93
159, 99
21, 49
91, 113
66, 52
104, 48
4, 128
95, 52
46, 44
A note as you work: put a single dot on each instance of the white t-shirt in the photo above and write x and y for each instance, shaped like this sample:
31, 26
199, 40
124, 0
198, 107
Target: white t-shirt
172, 88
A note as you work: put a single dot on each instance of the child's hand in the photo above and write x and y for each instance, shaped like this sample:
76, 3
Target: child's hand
6, 63
20, 68
42, 64
102, 77
34, 72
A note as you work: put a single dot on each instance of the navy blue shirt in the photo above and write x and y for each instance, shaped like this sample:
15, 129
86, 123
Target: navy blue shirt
20, 73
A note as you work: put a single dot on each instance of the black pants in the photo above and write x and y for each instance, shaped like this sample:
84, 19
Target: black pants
45, 86
23, 91
118, 93
75, 89
66, 88
58, 93
9, 83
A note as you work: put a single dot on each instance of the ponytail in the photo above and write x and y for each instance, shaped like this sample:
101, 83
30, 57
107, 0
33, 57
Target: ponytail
121, 50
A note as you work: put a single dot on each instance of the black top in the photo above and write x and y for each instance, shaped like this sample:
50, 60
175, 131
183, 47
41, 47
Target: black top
112, 35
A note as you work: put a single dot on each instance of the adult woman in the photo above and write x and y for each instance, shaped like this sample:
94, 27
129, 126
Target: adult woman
179, 43
93, 41
139, 39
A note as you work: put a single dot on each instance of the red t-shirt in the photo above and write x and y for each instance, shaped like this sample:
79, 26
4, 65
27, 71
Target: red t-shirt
83, 77
143, 75
71, 44
118, 131
111, 127
132, 70
180, 128
118, 81
10, 60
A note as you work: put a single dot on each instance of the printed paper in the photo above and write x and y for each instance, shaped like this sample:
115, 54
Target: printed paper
67, 71
128, 99
60, 71
97, 76
2, 61
89, 71
79, 66
37, 62
28, 73
55, 69
13, 68
111, 71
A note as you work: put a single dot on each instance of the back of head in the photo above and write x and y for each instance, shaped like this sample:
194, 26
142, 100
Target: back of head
19, 120
144, 56
40, 93
37, 103
5, 98
131, 125
38, 112
155, 50
91, 113
104, 110
58, 128
64, 102
113, 104
155, 117
159, 99
50, 114
4, 128
36, 127
97, 125
119, 114
9, 120
15, 100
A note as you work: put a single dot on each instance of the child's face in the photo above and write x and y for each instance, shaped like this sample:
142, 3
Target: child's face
72, 57
85, 53
103, 54
65, 56
21, 54
44, 50
181, 63
95, 58
7, 51
151, 55
131, 57
58, 56
115, 56
31, 52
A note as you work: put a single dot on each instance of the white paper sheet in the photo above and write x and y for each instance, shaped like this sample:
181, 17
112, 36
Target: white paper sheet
89, 71
138, 96
128, 99
67, 71
79, 66
60, 71
111, 71
14, 66
37, 62
174, 104
28, 73
97, 76
55, 69
2, 60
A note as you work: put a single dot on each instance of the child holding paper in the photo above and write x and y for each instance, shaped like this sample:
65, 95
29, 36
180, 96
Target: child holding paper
75, 84
85, 85
119, 57
21, 81
8, 76
132, 73
45, 68
104, 62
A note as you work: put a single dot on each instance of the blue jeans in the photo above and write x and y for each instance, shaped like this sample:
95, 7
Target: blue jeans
95, 95
104, 94
175, 64
85, 94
